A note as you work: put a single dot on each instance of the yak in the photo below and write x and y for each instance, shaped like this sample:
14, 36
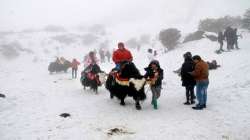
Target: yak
58, 67
92, 77
126, 82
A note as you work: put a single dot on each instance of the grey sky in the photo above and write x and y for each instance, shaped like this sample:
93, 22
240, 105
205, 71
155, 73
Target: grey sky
19, 14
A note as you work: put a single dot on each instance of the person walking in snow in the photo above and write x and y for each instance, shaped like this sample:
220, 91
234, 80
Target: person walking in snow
236, 37
74, 65
155, 53
155, 74
120, 55
220, 40
229, 35
150, 55
108, 55
200, 74
188, 80
102, 55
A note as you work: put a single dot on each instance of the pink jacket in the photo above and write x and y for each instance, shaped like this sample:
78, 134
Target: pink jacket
89, 61
75, 64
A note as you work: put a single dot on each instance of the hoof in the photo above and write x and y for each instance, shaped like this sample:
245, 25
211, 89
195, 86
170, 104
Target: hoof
122, 103
138, 107
111, 96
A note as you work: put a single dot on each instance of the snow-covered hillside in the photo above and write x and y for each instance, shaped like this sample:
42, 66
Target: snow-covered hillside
35, 99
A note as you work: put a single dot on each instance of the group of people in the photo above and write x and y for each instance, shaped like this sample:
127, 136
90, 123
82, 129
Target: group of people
153, 71
194, 72
151, 54
103, 54
231, 37
60, 60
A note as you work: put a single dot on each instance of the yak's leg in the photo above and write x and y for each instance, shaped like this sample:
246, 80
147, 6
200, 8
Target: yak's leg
111, 96
137, 104
122, 102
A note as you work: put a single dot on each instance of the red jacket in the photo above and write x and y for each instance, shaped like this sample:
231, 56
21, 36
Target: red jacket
75, 64
122, 55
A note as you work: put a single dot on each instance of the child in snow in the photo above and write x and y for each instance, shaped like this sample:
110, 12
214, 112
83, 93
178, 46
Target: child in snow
155, 74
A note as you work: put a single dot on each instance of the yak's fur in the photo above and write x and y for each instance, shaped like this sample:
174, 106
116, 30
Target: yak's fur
56, 67
94, 82
133, 86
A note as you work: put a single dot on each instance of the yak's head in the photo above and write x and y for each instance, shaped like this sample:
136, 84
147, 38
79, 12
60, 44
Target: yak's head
129, 70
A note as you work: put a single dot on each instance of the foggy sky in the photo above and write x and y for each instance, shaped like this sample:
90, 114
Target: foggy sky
138, 14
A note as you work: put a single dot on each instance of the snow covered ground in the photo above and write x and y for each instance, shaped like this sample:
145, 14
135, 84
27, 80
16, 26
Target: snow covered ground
35, 99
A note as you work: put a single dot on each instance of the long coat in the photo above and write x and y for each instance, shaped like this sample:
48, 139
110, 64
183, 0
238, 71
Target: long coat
187, 79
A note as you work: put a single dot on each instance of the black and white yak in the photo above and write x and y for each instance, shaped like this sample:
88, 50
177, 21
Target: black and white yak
92, 77
127, 82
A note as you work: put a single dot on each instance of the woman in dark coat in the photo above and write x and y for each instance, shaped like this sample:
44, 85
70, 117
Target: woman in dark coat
187, 80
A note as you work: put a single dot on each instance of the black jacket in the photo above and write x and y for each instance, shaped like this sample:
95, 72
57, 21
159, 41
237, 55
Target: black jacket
187, 79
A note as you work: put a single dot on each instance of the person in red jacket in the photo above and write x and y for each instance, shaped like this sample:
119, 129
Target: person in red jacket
74, 65
121, 54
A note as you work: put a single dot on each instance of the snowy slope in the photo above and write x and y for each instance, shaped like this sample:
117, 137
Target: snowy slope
34, 100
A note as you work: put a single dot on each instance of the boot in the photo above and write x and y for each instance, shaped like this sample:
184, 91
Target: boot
155, 104
204, 106
187, 103
198, 107
192, 102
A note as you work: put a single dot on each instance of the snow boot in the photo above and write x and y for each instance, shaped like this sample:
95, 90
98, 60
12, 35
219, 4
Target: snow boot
192, 102
198, 107
155, 104
204, 106
187, 103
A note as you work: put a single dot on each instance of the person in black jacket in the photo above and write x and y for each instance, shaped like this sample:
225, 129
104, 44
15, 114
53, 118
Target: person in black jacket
155, 74
229, 36
187, 80
220, 40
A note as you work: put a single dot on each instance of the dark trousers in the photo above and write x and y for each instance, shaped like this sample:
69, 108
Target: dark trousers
236, 44
221, 45
74, 73
230, 44
190, 93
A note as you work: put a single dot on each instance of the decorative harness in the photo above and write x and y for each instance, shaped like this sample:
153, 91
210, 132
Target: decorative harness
125, 81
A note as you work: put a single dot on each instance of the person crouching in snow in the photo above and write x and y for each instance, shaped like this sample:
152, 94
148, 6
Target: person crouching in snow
155, 74
74, 65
